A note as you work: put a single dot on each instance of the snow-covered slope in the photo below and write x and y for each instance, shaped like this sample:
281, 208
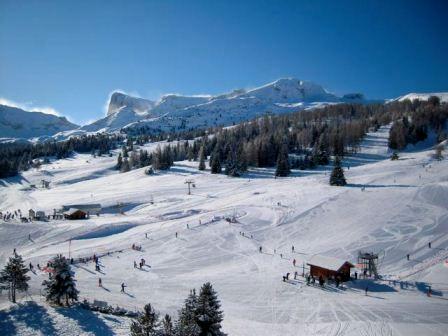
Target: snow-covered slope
175, 112
443, 96
17, 123
389, 207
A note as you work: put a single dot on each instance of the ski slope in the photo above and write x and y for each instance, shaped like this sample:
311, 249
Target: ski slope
393, 208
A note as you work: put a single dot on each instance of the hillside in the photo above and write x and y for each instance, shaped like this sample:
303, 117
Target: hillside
389, 207
17, 123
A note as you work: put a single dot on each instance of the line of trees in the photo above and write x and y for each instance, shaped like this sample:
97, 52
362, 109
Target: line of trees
413, 120
17, 157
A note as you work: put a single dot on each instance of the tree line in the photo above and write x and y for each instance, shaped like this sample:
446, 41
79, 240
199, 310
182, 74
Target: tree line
17, 157
413, 120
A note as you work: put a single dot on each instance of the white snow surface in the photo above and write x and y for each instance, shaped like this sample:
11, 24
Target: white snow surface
403, 207
443, 96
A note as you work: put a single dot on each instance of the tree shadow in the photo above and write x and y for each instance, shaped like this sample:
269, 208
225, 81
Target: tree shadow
30, 314
370, 186
373, 286
423, 287
87, 320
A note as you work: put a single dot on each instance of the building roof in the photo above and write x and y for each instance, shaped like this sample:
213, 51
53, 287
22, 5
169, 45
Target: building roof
82, 206
72, 211
330, 263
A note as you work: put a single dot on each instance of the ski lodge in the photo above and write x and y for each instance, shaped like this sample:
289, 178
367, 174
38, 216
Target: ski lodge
89, 209
74, 213
329, 267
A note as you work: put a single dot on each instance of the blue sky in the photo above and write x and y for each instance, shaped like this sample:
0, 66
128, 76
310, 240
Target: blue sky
69, 55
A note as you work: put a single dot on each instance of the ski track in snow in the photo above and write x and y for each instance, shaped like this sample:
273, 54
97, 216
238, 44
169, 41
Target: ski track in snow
399, 212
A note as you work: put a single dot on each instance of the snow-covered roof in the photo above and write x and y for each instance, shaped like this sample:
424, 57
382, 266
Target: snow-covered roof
72, 211
84, 207
330, 263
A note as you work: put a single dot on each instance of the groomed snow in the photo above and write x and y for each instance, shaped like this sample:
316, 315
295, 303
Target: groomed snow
401, 209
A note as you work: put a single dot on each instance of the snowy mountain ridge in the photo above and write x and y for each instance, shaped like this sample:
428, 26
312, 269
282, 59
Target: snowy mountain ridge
443, 96
18, 123
177, 112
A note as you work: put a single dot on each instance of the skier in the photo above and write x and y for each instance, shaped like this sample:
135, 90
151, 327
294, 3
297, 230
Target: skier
135, 264
356, 275
294, 263
260, 249
295, 275
367, 289
429, 244
31, 266
292, 249
100, 282
188, 226
287, 276
407, 256
38, 267
308, 278
281, 255
146, 235
176, 234
122, 287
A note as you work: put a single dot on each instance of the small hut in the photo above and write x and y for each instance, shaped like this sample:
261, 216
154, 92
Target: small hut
329, 267
74, 213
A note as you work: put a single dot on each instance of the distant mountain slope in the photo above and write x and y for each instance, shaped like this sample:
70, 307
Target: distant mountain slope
17, 123
176, 112
424, 96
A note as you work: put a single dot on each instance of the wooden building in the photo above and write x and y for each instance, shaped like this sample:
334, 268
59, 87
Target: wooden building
89, 209
74, 213
329, 267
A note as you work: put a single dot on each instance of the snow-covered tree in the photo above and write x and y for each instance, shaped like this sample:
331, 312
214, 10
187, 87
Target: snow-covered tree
282, 162
186, 323
215, 163
119, 161
125, 167
13, 277
167, 326
202, 158
208, 314
337, 177
146, 324
61, 284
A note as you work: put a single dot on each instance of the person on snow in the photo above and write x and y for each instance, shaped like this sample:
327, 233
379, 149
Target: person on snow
292, 249
122, 287
135, 264
294, 263
308, 279
260, 249
176, 234
295, 275
367, 289
100, 282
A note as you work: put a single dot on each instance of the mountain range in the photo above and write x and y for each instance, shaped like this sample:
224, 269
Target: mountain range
178, 112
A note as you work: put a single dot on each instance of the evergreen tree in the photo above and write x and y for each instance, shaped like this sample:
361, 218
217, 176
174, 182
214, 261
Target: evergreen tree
232, 165
186, 324
13, 277
337, 175
208, 313
61, 284
167, 326
119, 161
146, 324
125, 167
283, 162
215, 163
202, 158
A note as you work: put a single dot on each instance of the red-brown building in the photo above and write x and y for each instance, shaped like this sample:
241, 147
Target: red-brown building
329, 267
